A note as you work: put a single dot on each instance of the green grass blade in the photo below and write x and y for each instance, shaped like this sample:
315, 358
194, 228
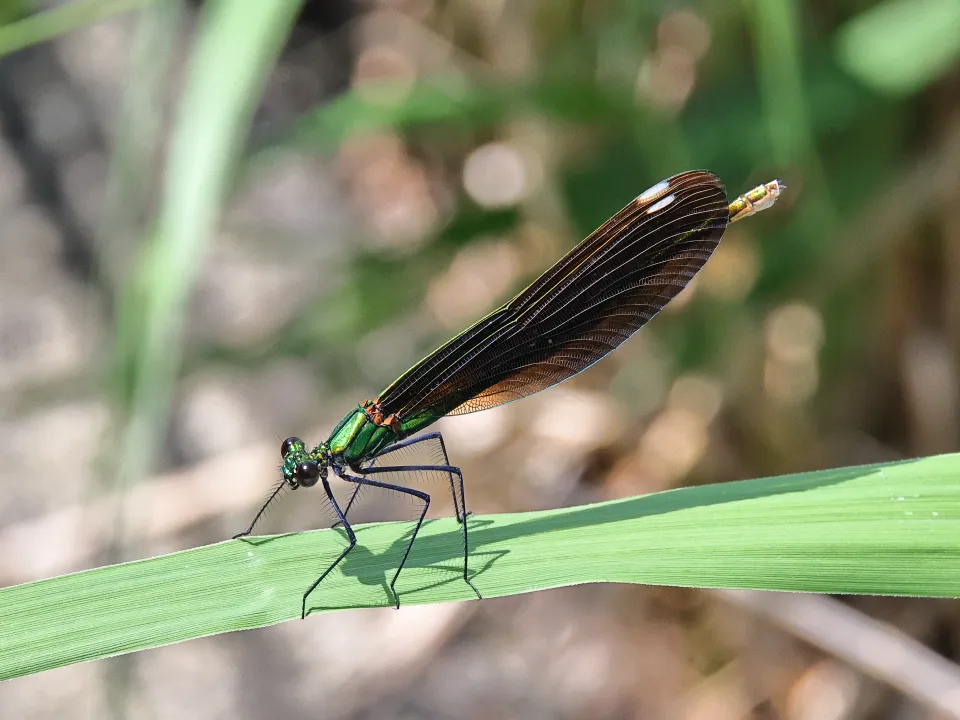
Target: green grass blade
236, 47
49, 24
883, 529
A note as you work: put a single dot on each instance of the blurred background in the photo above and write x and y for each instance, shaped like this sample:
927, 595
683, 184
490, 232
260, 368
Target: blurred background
403, 168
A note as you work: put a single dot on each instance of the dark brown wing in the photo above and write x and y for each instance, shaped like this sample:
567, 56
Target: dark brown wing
589, 302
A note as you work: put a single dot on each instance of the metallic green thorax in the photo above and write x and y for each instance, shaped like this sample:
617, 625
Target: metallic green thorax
358, 436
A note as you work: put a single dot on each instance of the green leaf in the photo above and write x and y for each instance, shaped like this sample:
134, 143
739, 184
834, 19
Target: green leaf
882, 529
902, 45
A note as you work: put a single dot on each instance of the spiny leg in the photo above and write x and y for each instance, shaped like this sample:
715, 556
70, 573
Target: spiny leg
423, 513
350, 535
262, 510
458, 501
346, 510
452, 470
459, 508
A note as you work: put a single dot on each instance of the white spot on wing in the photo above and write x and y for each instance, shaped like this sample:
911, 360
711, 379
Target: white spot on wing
651, 193
661, 204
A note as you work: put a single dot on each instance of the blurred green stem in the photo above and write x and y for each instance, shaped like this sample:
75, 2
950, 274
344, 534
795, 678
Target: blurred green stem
236, 47
776, 26
140, 123
49, 24
776, 31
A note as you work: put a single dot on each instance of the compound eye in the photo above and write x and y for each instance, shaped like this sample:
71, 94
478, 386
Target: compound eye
288, 445
307, 473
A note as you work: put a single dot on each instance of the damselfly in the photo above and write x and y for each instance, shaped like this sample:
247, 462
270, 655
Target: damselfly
590, 301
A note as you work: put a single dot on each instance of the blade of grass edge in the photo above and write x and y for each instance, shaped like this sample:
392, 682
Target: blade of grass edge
881, 529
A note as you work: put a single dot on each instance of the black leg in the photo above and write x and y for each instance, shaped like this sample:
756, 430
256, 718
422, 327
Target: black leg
261, 511
451, 470
353, 496
423, 513
350, 535
458, 502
